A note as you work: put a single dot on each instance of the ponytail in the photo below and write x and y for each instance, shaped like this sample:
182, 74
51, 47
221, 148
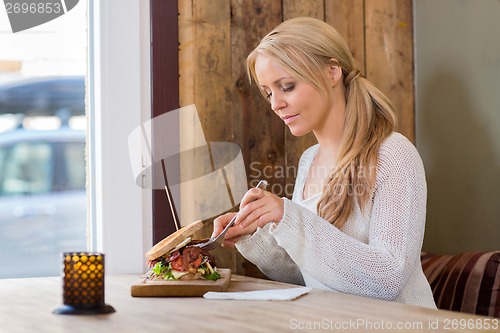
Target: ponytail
369, 120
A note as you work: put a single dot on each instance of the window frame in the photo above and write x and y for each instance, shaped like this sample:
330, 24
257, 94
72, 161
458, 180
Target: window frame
165, 95
118, 100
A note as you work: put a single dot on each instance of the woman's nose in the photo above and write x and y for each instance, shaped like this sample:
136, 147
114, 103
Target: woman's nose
277, 102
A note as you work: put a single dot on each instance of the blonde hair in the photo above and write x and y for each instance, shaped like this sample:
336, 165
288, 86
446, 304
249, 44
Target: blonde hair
303, 47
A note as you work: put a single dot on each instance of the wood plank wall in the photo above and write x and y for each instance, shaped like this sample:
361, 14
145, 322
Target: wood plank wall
216, 36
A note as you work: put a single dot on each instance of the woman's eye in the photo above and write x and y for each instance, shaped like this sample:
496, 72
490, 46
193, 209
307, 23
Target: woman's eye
285, 89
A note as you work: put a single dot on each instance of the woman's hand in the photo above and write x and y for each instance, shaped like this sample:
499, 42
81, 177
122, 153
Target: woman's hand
257, 208
234, 233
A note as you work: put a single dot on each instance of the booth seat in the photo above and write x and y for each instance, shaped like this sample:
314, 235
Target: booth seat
466, 282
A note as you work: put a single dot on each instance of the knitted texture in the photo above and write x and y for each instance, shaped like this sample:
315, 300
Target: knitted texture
377, 251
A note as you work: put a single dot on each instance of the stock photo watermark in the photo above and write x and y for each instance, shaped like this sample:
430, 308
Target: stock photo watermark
259, 171
26, 14
437, 324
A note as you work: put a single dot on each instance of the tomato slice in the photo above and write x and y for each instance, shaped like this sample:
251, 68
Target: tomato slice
178, 264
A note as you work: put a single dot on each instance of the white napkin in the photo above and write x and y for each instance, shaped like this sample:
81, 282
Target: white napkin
260, 295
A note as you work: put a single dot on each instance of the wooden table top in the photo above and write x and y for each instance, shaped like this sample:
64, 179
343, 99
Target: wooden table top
26, 305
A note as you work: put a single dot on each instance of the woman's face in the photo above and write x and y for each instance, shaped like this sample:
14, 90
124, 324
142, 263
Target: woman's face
299, 104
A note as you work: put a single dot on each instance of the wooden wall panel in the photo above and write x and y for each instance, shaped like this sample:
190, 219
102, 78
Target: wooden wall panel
258, 131
262, 133
204, 80
347, 17
389, 56
298, 8
213, 48
212, 76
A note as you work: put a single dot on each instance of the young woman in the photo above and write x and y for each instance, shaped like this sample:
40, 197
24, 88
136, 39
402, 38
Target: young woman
356, 221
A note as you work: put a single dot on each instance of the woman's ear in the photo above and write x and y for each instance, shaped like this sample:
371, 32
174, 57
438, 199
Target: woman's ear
334, 72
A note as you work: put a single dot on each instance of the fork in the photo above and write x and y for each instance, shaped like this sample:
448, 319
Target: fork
213, 241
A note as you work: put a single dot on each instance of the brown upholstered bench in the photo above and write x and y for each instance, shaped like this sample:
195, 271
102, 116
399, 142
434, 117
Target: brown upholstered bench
467, 282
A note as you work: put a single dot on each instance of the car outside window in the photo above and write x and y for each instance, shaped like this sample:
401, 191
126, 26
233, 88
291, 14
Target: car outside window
43, 198
27, 170
71, 171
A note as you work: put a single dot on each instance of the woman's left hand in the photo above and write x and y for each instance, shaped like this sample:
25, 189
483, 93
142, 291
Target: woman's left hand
259, 207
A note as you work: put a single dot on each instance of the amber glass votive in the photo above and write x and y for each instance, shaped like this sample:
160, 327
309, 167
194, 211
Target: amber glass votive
83, 284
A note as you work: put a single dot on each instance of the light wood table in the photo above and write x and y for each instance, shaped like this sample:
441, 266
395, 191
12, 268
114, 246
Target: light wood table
26, 305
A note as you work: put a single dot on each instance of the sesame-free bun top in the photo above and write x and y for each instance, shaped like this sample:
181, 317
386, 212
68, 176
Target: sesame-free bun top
171, 241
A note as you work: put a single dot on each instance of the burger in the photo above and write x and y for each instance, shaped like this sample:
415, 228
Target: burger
175, 257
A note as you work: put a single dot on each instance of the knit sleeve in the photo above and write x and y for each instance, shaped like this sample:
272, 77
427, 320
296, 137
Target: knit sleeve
382, 265
262, 250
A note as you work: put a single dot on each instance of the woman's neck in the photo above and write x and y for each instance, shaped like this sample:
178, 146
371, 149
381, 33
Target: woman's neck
330, 135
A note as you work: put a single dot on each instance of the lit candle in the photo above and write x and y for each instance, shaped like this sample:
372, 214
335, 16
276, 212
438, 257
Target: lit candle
83, 284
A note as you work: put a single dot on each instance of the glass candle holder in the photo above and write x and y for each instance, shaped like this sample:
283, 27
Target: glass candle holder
83, 284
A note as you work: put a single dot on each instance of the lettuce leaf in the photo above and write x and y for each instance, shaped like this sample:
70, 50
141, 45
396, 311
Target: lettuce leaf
164, 270
212, 276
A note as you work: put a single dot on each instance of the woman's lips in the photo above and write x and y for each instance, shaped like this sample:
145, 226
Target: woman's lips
289, 119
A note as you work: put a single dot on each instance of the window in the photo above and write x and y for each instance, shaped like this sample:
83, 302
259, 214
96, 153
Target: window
120, 101
43, 196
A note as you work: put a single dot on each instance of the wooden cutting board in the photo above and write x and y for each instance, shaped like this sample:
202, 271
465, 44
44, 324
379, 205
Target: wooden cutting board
159, 288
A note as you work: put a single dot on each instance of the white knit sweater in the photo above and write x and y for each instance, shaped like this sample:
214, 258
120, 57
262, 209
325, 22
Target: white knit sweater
375, 254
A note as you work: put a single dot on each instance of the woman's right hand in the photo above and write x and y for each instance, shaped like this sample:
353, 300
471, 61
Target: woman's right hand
234, 233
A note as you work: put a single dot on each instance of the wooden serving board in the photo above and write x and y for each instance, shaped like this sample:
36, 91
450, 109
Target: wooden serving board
191, 288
